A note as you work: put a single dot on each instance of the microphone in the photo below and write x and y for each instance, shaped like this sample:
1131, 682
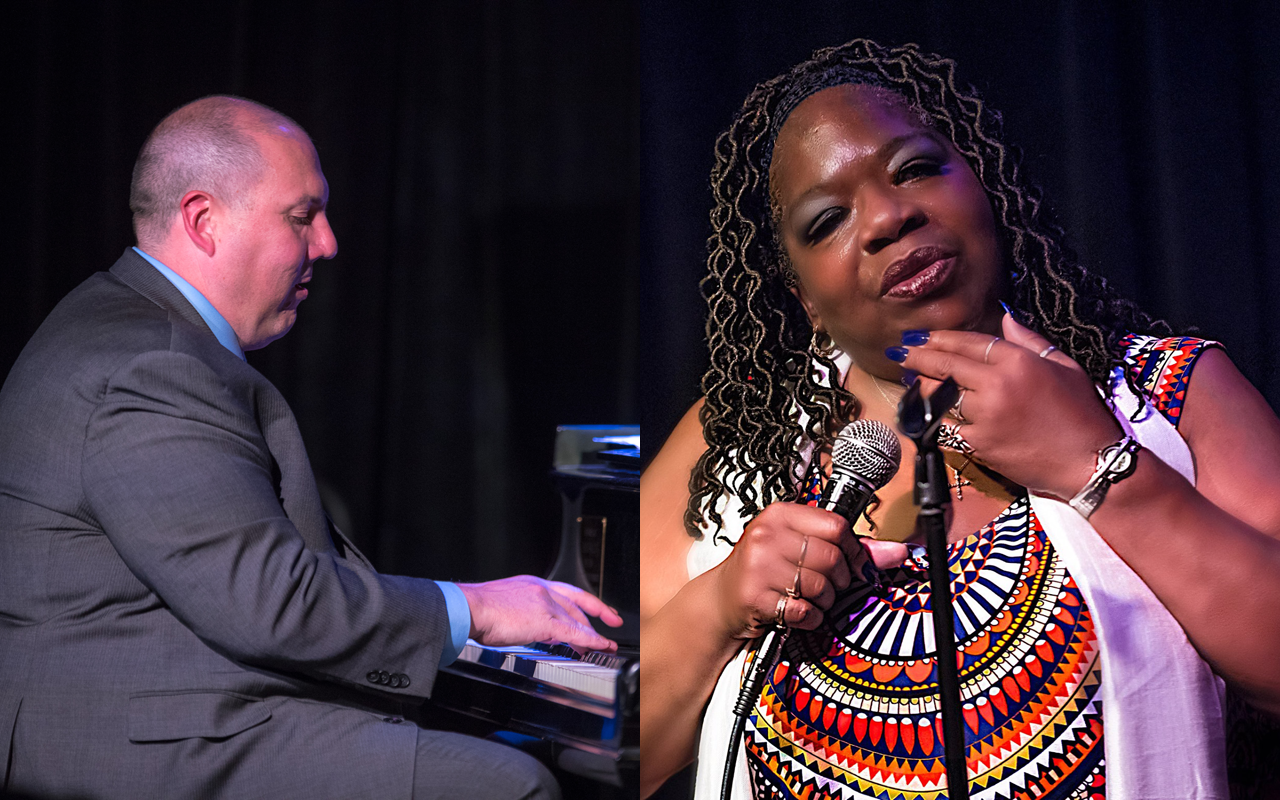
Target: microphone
864, 457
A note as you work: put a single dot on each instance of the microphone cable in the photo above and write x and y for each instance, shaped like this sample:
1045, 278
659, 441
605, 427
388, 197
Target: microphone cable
864, 457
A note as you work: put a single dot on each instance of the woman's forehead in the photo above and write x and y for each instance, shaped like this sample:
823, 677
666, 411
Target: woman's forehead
854, 107
841, 122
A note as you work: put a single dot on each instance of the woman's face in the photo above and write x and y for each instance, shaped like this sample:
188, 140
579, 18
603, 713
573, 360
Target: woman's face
887, 227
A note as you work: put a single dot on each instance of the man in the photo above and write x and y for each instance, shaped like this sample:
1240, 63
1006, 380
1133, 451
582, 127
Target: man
178, 617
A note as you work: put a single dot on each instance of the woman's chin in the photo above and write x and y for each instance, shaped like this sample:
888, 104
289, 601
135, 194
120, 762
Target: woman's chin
961, 314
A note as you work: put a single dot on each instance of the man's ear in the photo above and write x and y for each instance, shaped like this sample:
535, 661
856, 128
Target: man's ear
196, 211
815, 319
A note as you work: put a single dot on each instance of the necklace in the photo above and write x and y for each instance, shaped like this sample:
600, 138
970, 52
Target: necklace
960, 480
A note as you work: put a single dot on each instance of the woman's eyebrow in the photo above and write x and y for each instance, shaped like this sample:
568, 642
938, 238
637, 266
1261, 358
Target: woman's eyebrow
882, 155
896, 143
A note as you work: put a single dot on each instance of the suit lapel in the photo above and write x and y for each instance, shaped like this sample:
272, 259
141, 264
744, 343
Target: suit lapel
298, 492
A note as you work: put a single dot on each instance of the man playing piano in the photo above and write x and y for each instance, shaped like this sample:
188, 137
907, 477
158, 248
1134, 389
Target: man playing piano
178, 616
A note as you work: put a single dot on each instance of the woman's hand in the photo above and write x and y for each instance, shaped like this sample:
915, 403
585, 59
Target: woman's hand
792, 549
1034, 416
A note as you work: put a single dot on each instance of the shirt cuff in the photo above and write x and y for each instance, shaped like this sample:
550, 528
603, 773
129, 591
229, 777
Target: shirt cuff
459, 621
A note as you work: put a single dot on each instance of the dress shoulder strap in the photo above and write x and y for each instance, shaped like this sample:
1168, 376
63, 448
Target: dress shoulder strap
1161, 369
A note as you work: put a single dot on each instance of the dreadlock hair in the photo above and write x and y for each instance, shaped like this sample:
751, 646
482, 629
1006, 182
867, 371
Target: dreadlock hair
763, 370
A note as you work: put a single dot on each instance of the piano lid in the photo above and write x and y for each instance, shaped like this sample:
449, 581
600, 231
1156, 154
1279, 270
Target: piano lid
580, 445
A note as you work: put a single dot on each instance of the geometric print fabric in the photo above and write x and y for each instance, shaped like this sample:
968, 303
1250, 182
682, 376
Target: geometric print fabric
1161, 368
851, 710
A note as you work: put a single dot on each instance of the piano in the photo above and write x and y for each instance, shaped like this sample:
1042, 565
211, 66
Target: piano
586, 705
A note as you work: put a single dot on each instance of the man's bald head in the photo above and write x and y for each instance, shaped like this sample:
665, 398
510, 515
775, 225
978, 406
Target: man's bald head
210, 144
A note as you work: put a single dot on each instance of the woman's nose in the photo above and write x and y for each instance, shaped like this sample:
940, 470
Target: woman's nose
887, 215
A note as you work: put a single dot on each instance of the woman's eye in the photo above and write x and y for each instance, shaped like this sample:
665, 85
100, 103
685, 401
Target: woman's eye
920, 168
826, 222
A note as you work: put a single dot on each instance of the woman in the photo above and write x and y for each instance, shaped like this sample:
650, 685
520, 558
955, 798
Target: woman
870, 226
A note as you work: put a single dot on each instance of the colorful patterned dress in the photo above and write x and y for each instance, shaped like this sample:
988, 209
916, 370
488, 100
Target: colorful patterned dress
851, 710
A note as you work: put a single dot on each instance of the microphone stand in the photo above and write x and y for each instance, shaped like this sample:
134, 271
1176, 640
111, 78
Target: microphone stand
920, 419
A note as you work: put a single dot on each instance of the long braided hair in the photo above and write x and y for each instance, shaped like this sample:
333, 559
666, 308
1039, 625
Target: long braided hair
763, 370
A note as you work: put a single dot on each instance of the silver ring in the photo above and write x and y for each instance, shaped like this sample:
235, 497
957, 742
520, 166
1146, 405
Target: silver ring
950, 438
956, 408
1045, 352
986, 354
780, 613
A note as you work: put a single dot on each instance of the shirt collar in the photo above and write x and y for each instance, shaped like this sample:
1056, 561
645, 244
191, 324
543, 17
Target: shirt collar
216, 322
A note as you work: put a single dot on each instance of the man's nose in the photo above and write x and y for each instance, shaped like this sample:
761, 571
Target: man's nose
326, 244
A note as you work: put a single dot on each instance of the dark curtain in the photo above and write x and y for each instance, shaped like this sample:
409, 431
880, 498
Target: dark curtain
483, 165
1152, 127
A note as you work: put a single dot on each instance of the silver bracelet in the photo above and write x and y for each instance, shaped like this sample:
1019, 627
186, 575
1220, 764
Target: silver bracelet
1115, 463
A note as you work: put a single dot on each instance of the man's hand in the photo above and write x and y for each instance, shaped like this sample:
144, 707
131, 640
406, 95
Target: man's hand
525, 609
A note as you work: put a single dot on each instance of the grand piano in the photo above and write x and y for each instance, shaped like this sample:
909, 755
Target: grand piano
583, 706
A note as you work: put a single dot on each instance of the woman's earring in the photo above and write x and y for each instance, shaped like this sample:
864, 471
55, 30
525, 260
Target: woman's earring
821, 344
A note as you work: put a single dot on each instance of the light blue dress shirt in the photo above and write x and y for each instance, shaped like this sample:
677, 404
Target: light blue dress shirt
454, 600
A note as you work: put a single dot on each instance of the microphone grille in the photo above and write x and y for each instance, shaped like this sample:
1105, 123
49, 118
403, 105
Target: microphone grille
868, 449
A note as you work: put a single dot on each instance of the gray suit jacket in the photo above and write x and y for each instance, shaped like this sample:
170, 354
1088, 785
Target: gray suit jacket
177, 616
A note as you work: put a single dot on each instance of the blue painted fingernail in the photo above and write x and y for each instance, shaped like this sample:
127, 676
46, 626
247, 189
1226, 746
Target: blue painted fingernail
1006, 308
909, 377
898, 354
915, 338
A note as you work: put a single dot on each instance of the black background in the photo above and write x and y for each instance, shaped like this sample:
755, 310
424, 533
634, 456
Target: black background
520, 194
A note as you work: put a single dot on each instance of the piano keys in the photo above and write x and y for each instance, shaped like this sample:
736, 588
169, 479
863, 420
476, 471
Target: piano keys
584, 701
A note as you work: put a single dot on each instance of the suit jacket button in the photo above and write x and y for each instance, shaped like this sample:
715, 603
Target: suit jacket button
372, 676
404, 681
384, 677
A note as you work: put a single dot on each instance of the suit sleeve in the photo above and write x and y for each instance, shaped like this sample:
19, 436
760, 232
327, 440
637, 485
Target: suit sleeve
177, 473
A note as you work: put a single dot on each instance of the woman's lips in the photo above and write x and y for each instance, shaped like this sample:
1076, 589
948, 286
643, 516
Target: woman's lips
924, 281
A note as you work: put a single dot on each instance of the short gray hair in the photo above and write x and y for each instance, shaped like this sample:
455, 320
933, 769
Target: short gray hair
208, 144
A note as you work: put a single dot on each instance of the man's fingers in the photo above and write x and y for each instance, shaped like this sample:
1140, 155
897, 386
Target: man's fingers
580, 637
586, 601
570, 608
522, 609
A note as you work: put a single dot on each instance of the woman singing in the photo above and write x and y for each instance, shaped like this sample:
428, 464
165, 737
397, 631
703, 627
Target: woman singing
1115, 507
